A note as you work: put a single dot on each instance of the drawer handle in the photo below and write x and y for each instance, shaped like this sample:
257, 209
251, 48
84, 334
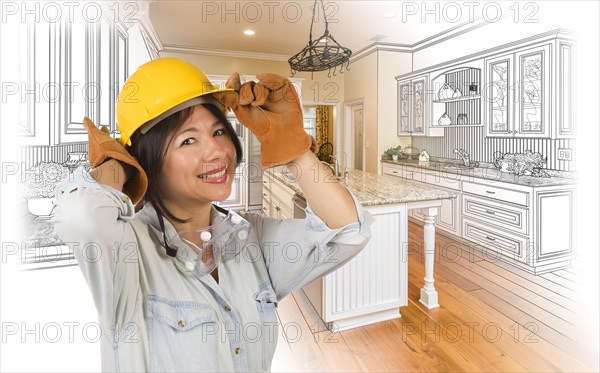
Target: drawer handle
490, 212
490, 238
277, 208
395, 172
265, 194
490, 192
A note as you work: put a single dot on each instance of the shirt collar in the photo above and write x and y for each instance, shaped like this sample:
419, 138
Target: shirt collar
148, 215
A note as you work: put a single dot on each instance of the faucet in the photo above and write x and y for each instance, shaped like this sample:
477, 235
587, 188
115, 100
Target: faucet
335, 168
462, 153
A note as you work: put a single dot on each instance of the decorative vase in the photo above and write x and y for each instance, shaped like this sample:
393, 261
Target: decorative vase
444, 120
456, 93
395, 157
445, 92
461, 119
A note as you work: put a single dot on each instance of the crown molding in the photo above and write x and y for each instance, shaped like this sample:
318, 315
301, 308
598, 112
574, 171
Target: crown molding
142, 17
224, 53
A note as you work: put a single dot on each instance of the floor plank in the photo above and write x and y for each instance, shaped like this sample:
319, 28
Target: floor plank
493, 317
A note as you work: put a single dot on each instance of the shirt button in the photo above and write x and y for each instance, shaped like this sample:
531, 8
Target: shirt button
189, 265
227, 308
242, 235
124, 199
182, 323
235, 219
238, 350
205, 236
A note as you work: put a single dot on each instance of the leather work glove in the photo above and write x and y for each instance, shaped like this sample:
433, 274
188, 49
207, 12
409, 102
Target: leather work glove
101, 146
271, 109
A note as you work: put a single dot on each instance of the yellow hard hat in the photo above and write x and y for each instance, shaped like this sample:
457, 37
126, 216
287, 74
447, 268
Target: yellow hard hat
157, 89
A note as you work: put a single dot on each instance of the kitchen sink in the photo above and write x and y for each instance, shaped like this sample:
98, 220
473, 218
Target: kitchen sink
455, 166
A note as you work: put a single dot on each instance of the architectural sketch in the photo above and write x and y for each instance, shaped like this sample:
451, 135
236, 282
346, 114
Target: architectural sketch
498, 124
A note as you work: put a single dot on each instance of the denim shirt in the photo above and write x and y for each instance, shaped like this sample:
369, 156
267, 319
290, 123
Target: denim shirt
159, 313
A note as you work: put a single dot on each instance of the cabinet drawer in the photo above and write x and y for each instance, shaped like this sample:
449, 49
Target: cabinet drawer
502, 194
266, 207
283, 194
392, 170
495, 240
441, 179
498, 214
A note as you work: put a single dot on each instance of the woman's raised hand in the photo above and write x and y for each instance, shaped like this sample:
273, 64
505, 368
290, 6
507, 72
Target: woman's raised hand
101, 147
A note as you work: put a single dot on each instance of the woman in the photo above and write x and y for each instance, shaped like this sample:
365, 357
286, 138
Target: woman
184, 285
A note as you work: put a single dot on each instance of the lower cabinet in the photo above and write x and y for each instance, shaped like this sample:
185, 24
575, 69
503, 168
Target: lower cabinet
277, 199
532, 228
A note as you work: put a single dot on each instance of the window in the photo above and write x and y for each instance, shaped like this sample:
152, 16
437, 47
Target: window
310, 120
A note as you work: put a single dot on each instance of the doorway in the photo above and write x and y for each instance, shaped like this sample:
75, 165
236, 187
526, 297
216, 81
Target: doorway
354, 130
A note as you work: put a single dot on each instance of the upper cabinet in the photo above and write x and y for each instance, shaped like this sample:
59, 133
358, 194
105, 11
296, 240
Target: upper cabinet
529, 92
457, 96
414, 108
62, 71
521, 90
518, 93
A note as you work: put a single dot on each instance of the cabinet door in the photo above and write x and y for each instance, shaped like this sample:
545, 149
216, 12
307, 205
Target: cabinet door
565, 95
498, 96
419, 108
555, 225
404, 89
448, 216
532, 109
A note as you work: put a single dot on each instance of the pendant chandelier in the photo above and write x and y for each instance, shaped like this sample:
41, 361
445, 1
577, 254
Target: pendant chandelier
323, 53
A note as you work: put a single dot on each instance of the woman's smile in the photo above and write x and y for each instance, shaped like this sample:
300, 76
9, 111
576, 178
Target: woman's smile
218, 176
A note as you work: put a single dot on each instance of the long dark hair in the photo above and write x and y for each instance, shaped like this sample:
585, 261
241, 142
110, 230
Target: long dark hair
150, 150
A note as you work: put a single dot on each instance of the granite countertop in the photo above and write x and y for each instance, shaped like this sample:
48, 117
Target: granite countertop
489, 172
372, 189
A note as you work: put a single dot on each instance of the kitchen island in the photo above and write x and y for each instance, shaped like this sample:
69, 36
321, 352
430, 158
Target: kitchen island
374, 285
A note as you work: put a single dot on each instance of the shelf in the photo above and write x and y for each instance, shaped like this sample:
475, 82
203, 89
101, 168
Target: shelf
457, 125
456, 99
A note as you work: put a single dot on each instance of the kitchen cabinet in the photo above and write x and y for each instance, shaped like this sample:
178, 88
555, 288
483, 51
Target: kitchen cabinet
277, 199
414, 108
532, 228
565, 93
68, 69
457, 96
535, 227
529, 91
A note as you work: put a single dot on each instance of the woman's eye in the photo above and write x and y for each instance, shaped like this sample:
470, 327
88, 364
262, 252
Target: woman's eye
188, 141
220, 132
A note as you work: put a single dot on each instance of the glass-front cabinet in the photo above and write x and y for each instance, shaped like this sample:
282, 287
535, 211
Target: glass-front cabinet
498, 97
414, 108
418, 106
518, 94
532, 107
404, 107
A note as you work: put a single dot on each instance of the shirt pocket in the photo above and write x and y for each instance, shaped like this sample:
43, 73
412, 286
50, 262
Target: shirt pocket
183, 336
266, 303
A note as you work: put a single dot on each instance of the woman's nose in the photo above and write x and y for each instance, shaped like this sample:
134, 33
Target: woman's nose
214, 148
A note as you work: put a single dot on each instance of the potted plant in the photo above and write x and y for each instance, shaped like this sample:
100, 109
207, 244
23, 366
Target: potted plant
38, 187
393, 153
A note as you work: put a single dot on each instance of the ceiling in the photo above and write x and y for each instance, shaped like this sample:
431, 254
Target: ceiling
282, 27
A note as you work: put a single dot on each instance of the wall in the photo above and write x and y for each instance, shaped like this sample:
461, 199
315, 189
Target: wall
361, 82
390, 64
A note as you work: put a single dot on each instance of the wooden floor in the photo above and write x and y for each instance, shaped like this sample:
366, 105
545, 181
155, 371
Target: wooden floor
492, 317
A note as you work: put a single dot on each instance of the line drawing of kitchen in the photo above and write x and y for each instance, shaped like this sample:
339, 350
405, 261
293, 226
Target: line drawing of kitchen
496, 123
